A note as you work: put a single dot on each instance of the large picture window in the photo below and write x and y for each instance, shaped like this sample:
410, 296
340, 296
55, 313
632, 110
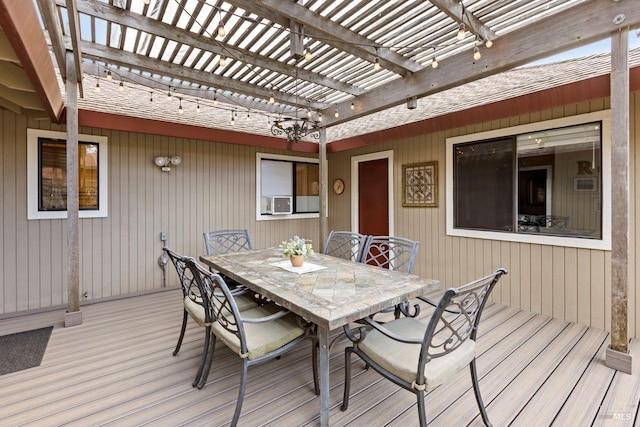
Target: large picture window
47, 175
288, 187
543, 183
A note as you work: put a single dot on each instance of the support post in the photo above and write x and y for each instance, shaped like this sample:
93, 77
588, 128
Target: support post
73, 315
324, 185
617, 355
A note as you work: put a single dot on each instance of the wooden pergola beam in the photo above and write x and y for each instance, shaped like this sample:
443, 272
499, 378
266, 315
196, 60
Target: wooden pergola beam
20, 24
557, 33
331, 33
167, 31
74, 30
455, 11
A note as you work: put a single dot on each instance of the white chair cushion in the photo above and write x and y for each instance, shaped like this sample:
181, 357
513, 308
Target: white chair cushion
262, 338
401, 359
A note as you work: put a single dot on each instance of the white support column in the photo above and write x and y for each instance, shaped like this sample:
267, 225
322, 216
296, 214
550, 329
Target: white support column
618, 356
324, 185
73, 315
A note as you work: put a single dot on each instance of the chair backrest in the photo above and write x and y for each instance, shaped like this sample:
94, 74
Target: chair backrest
190, 286
395, 253
227, 322
225, 241
456, 317
345, 244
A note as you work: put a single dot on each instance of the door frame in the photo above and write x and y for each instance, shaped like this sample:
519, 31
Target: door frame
355, 161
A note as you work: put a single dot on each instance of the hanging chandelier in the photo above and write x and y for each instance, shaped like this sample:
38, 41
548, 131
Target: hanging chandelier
295, 128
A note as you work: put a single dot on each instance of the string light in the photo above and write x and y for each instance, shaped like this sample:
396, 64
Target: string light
336, 114
146, 1
151, 96
121, 87
223, 61
488, 43
462, 32
319, 117
309, 113
97, 90
272, 99
169, 93
307, 55
233, 119
197, 107
215, 97
109, 76
353, 107
221, 31
476, 53
376, 63
180, 110
434, 61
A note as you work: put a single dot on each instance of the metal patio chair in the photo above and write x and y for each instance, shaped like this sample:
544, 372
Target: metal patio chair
197, 307
394, 253
345, 244
255, 335
226, 241
420, 357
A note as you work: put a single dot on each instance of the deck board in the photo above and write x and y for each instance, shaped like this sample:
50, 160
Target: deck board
117, 369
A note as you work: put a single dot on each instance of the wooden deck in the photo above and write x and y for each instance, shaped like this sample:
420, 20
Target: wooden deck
117, 369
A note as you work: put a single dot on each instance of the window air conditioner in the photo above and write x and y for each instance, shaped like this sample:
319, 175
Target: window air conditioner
279, 205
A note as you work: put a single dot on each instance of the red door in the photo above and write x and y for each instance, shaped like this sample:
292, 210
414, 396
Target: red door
373, 203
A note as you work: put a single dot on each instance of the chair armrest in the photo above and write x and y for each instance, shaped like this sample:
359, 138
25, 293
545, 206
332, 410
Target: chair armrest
269, 318
363, 332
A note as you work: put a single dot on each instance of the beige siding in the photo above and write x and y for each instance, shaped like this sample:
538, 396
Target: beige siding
213, 188
566, 283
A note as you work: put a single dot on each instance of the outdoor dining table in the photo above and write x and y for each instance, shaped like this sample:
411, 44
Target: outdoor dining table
328, 291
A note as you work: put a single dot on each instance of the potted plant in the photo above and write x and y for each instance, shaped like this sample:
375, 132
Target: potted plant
296, 249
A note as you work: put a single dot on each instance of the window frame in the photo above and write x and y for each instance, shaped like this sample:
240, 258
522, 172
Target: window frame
33, 136
603, 244
292, 160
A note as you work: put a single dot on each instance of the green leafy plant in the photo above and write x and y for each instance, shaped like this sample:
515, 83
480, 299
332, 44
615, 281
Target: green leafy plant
296, 246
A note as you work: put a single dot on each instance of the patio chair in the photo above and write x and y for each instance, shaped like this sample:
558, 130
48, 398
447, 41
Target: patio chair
226, 241
196, 307
394, 253
420, 357
345, 244
256, 335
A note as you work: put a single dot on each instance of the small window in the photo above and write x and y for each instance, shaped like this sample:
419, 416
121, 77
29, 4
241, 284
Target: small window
287, 187
547, 184
47, 175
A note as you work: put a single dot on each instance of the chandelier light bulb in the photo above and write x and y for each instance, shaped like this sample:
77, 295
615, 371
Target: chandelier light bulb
476, 53
221, 31
109, 76
462, 32
223, 61
488, 43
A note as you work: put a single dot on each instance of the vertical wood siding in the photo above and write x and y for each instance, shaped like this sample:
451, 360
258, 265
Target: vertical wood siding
213, 188
566, 283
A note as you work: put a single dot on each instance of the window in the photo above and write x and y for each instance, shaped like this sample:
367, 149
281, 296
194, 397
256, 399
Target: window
47, 175
542, 183
287, 187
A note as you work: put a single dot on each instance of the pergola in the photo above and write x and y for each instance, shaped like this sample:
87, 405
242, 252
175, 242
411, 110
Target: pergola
329, 63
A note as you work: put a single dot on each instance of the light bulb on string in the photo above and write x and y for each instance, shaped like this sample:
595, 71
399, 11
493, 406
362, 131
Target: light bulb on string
180, 110
476, 53
319, 117
307, 55
215, 97
488, 43
336, 114
151, 96
309, 113
434, 62
121, 87
233, 119
353, 106
223, 61
462, 32
197, 107
272, 99
169, 93
97, 90
109, 76
376, 65
221, 31
146, 1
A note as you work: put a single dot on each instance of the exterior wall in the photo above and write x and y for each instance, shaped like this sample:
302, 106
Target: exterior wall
213, 188
566, 283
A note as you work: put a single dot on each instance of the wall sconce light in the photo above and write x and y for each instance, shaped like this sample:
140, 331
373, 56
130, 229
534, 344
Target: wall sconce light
165, 162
